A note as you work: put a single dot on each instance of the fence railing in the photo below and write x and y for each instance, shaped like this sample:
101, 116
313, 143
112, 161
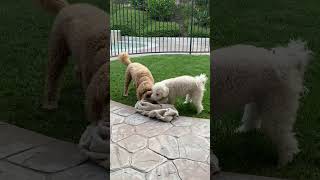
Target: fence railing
159, 26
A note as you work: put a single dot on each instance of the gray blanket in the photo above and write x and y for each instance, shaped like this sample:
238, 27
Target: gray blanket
94, 143
163, 112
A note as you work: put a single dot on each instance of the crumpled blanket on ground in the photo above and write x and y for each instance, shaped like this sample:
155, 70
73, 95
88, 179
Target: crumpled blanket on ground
94, 143
163, 112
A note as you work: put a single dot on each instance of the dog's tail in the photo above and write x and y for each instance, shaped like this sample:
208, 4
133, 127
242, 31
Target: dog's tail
298, 53
124, 58
201, 81
52, 6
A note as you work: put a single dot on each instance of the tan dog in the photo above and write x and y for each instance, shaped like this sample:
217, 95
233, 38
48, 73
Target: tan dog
81, 30
140, 74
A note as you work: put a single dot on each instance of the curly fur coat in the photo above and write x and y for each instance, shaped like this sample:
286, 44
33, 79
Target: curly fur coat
267, 84
82, 30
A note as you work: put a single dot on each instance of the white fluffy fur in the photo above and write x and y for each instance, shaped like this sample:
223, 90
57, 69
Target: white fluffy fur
190, 87
268, 83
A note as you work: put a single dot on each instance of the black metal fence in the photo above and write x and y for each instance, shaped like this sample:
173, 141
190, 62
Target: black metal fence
159, 26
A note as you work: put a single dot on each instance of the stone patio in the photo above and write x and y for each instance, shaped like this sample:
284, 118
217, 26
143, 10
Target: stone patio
147, 149
26, 155
141, 149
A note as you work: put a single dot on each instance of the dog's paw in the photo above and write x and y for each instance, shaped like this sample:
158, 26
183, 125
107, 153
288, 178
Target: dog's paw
199, 112
287, 157
284, 160
199, 109
187, 102
126, 95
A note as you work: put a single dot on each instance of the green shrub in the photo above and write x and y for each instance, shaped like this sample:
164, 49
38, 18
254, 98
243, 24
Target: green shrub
163, 33
201, 3
158, 29
186, 9
139, 4
161, 10
201, 16
201, 13
125, 30
202, 32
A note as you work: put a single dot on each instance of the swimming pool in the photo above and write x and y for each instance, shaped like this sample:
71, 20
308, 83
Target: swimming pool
129, 46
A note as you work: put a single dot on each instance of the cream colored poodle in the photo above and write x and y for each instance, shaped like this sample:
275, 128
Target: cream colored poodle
267, 84
192, 88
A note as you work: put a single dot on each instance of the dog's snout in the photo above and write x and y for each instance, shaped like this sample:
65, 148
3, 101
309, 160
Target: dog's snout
148, 94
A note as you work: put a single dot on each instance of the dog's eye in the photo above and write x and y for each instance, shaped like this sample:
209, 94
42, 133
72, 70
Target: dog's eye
157, 94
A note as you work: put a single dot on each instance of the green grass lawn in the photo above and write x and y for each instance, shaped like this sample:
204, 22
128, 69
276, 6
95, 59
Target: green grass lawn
268, 23
24, 34
163, 67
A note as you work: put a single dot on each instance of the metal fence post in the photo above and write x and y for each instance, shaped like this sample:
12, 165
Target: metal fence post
191, 25
155, 34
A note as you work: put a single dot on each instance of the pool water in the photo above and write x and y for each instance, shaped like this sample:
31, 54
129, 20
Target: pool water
128, 46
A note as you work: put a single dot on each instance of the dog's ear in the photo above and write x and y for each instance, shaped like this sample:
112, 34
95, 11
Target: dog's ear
144, 91
139, 92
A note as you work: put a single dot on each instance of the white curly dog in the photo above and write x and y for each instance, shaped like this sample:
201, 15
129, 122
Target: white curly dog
267, 84
192, 88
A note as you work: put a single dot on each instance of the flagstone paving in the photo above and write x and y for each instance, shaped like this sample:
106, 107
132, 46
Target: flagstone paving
148, 149
179, 150
26, 155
